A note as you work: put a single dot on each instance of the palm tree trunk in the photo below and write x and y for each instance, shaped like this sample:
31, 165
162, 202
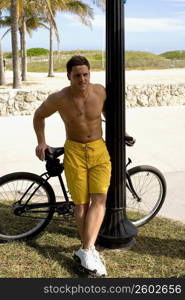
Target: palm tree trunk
24, 52
50, 71
15, 53
2, 73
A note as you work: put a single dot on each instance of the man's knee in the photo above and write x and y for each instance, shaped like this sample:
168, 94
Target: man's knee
81, 210
98, 198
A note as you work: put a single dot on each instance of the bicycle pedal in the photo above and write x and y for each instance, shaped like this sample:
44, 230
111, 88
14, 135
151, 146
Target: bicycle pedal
62, 210
65, 208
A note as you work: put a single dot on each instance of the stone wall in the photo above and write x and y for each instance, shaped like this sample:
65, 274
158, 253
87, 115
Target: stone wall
21, 102
155, 95
24, 102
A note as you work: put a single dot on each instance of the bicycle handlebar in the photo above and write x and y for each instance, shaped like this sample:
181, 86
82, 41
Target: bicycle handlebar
129, 140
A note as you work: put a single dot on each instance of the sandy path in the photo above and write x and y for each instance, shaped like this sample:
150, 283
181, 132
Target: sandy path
40, 80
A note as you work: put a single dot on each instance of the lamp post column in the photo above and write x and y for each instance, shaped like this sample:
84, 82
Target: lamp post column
116, 231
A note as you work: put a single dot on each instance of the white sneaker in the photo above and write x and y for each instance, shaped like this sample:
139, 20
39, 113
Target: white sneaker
99, 260
90, 260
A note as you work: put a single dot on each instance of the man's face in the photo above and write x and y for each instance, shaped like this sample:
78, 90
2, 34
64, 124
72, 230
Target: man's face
79, 77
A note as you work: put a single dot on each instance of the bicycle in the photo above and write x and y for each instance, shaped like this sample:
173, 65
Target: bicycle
28, 201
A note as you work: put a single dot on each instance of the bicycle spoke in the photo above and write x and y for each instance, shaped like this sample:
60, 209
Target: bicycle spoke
147, 184
16, 219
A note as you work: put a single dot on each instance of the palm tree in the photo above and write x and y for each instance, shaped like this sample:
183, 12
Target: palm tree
48, 8
15, 53
13, 21
74, 6
17, 10
29, 20
2, 69
22, 31
32, 22
3, 5
2, 60
2, 74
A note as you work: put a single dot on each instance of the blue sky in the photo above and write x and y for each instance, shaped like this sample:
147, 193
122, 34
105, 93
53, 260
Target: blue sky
150, 25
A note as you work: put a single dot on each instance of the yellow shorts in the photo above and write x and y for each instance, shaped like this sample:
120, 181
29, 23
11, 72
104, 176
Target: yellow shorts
87, 169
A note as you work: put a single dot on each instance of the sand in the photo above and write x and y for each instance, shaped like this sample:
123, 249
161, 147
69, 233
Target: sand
40, 80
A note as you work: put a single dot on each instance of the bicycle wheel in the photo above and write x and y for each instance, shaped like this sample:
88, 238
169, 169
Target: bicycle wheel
25, 210
150, 187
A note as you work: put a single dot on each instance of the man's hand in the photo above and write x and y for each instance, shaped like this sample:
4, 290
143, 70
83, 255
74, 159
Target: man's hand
40, 151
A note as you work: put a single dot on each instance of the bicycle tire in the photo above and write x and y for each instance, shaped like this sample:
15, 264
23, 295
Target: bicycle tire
15, 225
151, 199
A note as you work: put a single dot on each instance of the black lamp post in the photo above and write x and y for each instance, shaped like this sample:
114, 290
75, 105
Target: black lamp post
116, 231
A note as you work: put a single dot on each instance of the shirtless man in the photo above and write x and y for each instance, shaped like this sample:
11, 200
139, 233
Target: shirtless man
86, 160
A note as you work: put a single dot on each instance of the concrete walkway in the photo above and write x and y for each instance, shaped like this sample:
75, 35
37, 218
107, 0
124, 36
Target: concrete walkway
160, 142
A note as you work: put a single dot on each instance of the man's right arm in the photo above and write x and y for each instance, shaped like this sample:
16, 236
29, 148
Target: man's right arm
46, 109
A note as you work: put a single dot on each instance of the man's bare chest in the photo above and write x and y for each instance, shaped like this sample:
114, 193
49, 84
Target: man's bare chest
90, 109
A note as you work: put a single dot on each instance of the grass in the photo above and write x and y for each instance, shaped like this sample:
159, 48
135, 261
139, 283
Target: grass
60, 66
134, 60
40, 64
178, 54
159, 252
143, 60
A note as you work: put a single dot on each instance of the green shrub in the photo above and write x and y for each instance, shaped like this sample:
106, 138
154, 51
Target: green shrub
37, 51
134, 60
140, 55
141, 59
7, 54
177, 54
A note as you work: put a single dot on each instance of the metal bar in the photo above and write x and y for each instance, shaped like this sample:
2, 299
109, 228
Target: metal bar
116, 231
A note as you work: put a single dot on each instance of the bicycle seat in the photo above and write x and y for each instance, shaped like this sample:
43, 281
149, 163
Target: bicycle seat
56, 152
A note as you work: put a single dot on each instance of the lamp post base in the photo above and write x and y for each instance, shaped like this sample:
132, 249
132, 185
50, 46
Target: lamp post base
124, 245
116, 231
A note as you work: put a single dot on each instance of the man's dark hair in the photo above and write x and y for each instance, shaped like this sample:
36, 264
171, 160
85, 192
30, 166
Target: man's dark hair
77, 60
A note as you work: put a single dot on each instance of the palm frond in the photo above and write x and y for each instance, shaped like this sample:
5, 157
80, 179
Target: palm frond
47, 9
5, 21
4, 4
33, 24
99, 3
5, 33
81, 9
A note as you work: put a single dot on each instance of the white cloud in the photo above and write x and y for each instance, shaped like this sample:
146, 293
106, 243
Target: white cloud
176, 1
98, 21
135, 24
181, 13
154, 25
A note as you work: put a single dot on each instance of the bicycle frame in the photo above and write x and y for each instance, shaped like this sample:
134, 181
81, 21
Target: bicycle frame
60, 206
54, 169
61, 184
129, 184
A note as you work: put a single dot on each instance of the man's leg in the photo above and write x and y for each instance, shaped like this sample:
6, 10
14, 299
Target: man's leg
80, 216
87, 255
93, 219
89, 219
